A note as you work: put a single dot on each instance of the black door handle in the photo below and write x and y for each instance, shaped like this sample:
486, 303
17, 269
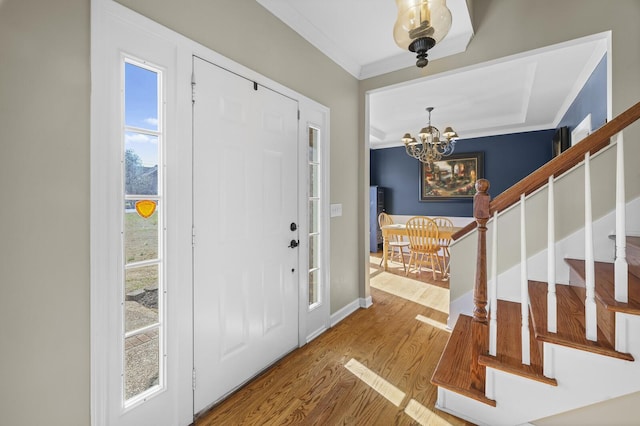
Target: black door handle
294, 244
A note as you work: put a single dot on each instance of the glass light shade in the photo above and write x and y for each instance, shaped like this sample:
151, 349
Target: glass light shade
421, 18
449, 133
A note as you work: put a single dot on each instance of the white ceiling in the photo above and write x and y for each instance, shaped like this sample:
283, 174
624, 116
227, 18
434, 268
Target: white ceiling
524, 92
358, 34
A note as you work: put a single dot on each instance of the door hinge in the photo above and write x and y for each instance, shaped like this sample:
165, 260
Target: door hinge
298, 115
193, 88
193, 379
193, 237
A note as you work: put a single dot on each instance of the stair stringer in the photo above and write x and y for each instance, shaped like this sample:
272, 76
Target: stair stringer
584, 378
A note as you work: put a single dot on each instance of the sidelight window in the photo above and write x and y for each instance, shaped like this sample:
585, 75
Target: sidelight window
142, 286
315, 231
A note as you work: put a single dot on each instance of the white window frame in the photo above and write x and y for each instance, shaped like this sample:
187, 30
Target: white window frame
161, 201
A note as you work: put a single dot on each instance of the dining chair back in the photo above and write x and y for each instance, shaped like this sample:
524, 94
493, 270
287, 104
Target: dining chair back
445, 230
395, 242
423, 241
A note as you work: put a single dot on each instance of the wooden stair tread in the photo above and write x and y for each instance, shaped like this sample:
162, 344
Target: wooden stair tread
571, 320
509, 346
605, 288
453, 370
633, 255
634, 241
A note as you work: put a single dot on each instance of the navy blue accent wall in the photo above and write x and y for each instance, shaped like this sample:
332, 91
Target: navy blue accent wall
507, 159
592, 99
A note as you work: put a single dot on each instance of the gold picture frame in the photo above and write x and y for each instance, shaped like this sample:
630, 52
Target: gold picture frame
452, 178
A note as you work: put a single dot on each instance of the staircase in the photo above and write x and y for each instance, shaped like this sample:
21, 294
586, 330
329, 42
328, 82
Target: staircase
557, 346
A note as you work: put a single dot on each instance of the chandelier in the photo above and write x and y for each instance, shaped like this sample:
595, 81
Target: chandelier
430, 146
420, 25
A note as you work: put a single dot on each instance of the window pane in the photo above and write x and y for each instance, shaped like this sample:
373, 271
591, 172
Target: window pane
141, 97
314, 286
141, 164
140, 235
313, 180
313, 216
313, 145
314, 255
141, 362
141, 297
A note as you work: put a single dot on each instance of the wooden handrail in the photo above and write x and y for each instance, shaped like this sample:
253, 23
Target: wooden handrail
560, 164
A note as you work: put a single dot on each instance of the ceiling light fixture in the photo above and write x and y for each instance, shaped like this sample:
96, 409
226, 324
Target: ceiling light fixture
430, 148
420, 25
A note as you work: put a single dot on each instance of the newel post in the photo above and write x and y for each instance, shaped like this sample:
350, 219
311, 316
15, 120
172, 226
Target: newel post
480, 322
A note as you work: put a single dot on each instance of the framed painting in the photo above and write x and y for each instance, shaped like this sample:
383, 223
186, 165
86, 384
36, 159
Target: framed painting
452, 178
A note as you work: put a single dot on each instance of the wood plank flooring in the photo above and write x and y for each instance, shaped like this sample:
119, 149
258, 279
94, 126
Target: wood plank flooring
373, 368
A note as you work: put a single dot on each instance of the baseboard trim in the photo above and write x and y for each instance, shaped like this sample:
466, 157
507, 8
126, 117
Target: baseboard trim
366, 302
345, 312
459, 415
316, 333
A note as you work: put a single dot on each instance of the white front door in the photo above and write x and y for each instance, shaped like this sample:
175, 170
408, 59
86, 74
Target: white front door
245, 200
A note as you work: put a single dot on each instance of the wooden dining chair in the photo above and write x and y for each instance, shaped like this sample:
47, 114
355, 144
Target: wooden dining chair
395, 241
445, 230
423, 241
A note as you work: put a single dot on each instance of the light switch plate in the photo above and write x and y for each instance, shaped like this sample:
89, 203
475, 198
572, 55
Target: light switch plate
336, 210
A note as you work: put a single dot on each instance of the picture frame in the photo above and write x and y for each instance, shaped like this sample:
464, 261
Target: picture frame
452, 178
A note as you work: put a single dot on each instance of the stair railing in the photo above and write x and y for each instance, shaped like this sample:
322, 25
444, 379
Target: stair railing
560, 164
484, 332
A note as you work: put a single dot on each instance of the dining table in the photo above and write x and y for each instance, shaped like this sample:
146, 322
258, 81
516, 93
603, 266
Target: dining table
400, 229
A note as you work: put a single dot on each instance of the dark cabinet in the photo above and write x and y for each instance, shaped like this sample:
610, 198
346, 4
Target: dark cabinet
376, 206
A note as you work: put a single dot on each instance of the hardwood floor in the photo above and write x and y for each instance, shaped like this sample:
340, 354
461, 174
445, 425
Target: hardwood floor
373, 368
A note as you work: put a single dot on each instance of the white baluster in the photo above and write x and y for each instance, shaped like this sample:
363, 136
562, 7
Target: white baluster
591, 325
552, 313
493, 292
621, 267
524, 286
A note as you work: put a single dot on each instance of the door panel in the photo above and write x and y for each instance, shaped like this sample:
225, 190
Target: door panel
245, 197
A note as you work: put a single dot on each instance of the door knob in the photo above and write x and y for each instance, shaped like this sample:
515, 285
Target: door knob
293, 244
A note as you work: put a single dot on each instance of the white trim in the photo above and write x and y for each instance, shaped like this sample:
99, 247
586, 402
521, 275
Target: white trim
317, 317
366, 302
344, 312
112, 26
582, 130
315, 334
